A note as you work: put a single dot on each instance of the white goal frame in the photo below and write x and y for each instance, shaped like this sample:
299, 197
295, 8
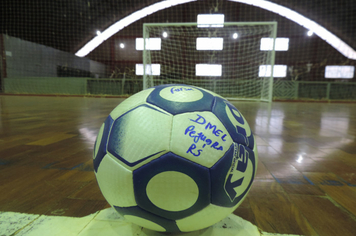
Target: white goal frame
267, 81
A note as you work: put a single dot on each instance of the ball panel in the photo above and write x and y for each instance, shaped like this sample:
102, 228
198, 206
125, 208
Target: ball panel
167, 163
101, 150
206, 217
130, 103
115, 182
167, 189
199, 137
139, 134
233, 176
181, 94
145, 223
98, 140
175, 155
234, 121
177, 99
168, 225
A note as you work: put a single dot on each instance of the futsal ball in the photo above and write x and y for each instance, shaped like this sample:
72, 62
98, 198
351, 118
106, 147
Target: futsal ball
175, 158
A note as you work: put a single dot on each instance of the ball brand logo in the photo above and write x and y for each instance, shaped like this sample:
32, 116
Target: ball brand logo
181, 94
235, 176
241, 166
177, 90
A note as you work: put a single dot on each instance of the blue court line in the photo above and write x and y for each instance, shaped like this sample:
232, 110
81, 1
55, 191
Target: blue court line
347, 183
307, 179
77, 166
325, 182
4, 162
49, 165
332, 183
287, 181
278, 181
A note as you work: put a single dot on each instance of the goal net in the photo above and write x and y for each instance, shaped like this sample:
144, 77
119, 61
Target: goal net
228, 59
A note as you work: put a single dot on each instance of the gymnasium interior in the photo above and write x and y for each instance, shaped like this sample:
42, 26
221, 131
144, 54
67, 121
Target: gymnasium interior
287, 66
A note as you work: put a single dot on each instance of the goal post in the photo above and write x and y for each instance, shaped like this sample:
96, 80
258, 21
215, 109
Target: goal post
227, 59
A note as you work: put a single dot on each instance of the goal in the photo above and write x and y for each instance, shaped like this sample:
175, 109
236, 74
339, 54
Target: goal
227, 59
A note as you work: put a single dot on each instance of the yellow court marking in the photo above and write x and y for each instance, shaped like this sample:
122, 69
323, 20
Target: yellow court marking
52, 139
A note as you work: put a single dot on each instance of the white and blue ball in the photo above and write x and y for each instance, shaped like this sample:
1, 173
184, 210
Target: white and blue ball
175, 158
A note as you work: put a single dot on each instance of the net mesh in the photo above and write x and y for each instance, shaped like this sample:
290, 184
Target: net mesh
225, 60
39, 41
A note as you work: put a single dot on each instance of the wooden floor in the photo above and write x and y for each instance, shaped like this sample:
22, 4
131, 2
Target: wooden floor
305, 183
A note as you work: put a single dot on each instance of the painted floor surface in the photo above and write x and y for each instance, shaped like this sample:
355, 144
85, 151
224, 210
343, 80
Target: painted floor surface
305, 183
108, 223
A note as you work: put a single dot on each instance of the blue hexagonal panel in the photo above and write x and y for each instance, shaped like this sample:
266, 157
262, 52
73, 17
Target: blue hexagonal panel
172, 187
179, 98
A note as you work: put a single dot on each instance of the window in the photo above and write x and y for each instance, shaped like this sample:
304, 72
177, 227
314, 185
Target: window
278, 71
282, 44
339, 72
151, 44
153, 69
210, 20
210, 43
208, 70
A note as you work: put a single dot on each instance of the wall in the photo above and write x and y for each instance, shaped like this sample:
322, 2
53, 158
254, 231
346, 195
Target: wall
27, 59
